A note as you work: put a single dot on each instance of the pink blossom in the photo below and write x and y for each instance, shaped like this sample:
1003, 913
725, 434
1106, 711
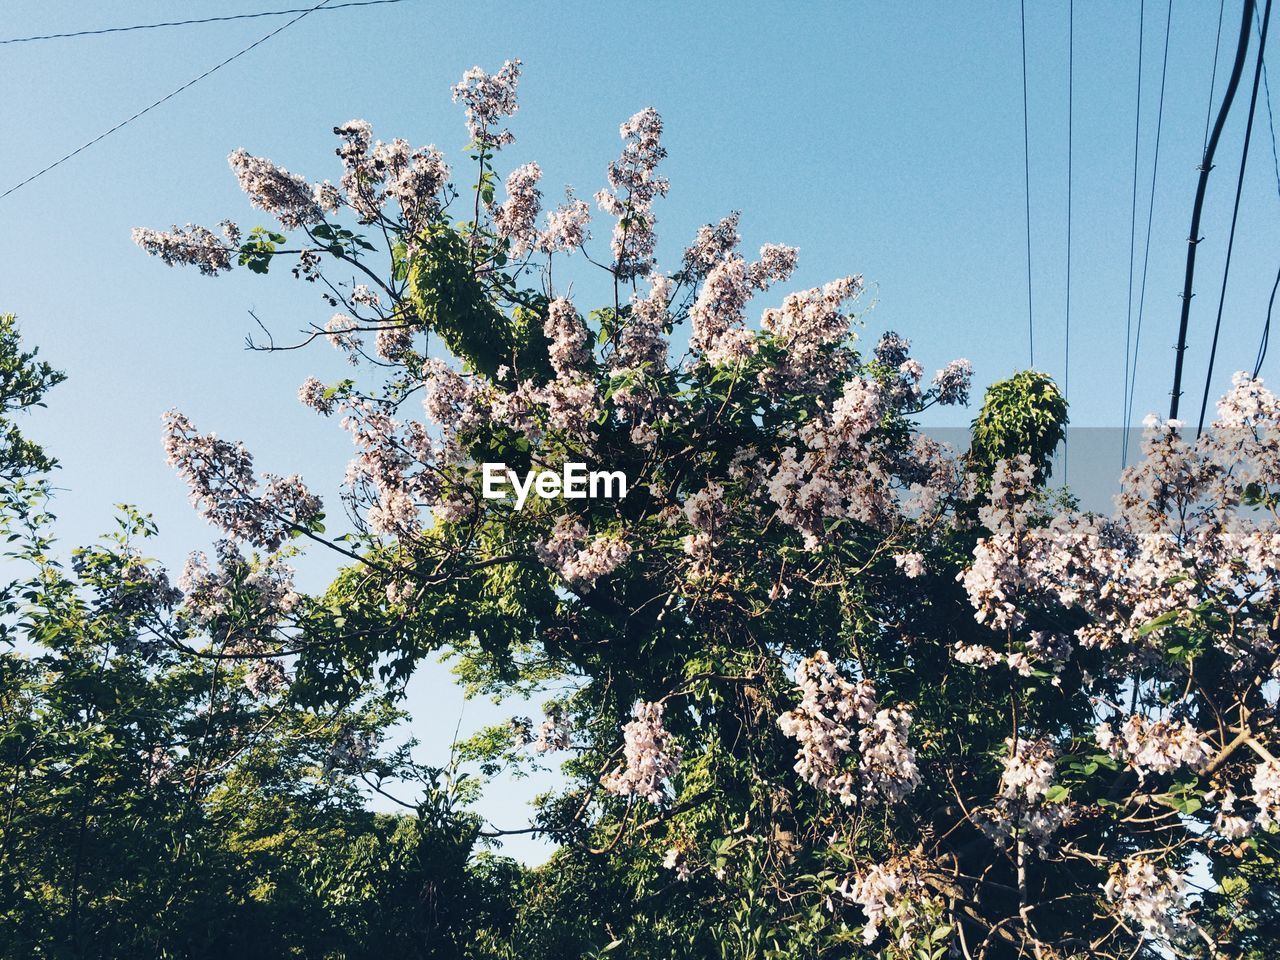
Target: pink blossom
192, 245
713, 244
911, 564
577, 560
633, 186
566, 226
651, 757
277, 191
1160, 746
1151, 897
951, 383
516, 219
567, 336
312, 393
226, 492
489, 98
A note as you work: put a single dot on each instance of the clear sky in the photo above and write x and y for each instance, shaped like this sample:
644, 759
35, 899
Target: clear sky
880, 138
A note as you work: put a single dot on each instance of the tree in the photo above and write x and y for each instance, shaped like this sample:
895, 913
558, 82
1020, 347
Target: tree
23, 384
823, 688
160, 797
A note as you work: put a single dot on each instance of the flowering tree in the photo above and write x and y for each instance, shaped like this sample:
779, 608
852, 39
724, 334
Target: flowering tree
160, 797
822, 685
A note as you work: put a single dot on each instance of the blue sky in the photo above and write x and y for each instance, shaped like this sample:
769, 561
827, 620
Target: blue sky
880, 138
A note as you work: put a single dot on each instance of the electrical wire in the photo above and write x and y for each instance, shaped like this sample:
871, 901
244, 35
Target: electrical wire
185, 23
1071, 87
167, 97
1146, 254
1213, 76
1235, 214
1271, 125
1133, 231
1275, 162
1197, 209
1026, 183
1266, 329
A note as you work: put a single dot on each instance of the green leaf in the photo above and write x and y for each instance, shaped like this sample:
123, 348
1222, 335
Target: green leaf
1163, 620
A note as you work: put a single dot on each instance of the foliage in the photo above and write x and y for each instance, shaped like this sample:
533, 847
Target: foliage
818, 686
159, 801
23, 383
1025, 414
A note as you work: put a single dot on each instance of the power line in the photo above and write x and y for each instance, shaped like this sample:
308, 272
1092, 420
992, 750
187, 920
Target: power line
1275, 161
185, 23
1193, 238
1151, 206
167, 97
1266, 329
1271, 124
1213, 76
1133, 231
1235, 213
1071, 88
1026, 183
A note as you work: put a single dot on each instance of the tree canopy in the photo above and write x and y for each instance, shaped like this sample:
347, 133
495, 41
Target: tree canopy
818, 686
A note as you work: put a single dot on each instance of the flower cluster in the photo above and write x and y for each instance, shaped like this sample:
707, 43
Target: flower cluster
836, 473
998, 573
717, 317
554, 733
633, 186
225, 490
951, 383
488, 99
350, 751
706, 513
893, 895
642, 341
1151, 897
1028, 770
395, 464
1266, 793
807, 322
578, 561
1022, 809
192, 246
566, 227
833, 712
650, 756
567, 336
375, 173
516, 220
1160, 746
677, 859
274, 189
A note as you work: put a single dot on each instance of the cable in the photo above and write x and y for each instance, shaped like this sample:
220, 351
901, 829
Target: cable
1213, 77
1133, 230
1151, 206
1266, 329
1026, 183
1275, 161
184, 23
1271, 124
1235, 213
1193, 238
1070, 123
167, 97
